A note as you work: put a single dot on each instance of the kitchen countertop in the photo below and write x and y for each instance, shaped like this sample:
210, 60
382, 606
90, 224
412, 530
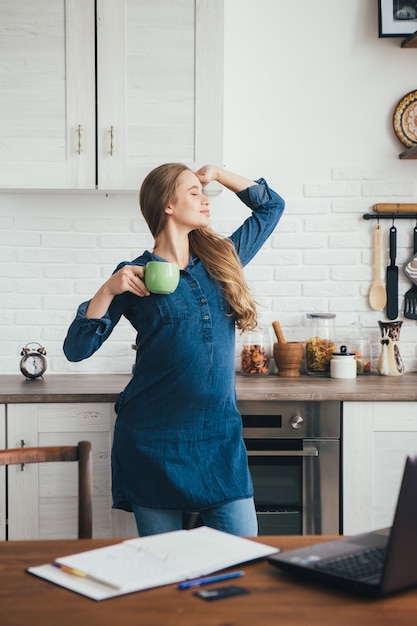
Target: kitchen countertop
106, 388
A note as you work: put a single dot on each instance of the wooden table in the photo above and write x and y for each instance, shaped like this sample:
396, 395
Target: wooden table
275, 599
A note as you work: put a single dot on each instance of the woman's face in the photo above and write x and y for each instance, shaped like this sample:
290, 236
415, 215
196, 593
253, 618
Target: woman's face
190, 207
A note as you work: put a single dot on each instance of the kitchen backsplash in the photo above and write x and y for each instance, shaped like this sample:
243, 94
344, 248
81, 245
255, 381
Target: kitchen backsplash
54, 254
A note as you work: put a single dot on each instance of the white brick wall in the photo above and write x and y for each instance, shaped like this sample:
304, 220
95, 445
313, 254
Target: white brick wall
50, 264
309, 96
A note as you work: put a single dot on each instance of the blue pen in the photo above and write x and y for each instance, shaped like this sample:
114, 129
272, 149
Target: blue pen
210, 579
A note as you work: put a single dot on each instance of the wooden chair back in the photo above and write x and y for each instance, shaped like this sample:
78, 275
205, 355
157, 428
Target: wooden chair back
80, 453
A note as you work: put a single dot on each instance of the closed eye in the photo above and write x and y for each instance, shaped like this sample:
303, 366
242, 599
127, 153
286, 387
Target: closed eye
195, 190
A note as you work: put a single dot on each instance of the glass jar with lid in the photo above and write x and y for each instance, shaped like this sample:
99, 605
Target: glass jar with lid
361, 346
320, 343
255, 354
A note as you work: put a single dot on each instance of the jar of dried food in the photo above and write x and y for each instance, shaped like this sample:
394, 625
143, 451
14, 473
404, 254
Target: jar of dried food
320, 343
361, 346
362, 349
255, 355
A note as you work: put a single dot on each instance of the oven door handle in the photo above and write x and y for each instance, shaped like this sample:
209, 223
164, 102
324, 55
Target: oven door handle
307, 451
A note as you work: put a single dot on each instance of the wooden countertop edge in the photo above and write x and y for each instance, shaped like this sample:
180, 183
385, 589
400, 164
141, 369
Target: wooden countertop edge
64, 388
242, 397
58, 398
326, 397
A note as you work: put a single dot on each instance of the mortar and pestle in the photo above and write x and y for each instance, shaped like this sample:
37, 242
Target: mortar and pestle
288, 355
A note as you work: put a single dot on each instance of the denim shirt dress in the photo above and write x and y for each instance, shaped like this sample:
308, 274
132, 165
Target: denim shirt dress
178, 435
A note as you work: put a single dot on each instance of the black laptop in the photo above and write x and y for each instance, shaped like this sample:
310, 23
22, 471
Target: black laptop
375, 563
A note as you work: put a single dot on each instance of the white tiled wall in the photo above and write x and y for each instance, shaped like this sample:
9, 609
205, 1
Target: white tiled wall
309, 96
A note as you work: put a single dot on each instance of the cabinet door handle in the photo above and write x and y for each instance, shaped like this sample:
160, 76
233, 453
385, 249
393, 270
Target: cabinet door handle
80, 139
22, 445
111, 140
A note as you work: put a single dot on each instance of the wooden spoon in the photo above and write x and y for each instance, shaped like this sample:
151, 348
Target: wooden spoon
378, 293
278, 332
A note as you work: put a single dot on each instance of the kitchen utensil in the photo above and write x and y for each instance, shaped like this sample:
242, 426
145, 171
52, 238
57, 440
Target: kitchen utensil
288, 357
278, 332
392, 276
410, 269
410, 297
377, 294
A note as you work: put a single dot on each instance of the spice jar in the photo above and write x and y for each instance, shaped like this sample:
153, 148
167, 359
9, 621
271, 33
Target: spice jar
255, 353
343, 364
320, 343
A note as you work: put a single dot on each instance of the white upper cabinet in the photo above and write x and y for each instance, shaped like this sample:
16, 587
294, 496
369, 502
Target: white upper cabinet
159, 79
95, 94
47, 120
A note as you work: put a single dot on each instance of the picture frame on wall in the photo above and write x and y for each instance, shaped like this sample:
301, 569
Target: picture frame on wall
397, 18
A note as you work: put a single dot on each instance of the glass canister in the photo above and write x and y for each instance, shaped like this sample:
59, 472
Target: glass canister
255, 355
362, 349
361, 346
320, 343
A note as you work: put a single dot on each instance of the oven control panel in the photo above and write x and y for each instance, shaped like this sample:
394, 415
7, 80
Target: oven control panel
264, 419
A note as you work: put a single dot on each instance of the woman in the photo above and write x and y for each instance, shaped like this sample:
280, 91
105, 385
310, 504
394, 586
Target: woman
178, 443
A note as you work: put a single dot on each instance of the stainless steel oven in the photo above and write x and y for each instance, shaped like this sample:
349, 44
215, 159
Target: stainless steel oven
294, 458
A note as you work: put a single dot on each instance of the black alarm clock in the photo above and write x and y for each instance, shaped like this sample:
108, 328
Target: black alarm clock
33, 363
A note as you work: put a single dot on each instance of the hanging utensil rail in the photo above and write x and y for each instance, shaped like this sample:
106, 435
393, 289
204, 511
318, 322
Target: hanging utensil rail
390, 216
391, 211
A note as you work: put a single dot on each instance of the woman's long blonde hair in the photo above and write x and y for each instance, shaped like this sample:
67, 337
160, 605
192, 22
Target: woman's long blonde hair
217, 253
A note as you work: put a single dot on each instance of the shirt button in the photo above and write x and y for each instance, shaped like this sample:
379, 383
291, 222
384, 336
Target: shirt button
195, 284
206, 317
202, 300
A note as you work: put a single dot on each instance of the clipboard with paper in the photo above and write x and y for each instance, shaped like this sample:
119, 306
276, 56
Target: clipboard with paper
147, 562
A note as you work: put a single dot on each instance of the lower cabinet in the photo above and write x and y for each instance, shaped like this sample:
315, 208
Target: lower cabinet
377, 436
42, 499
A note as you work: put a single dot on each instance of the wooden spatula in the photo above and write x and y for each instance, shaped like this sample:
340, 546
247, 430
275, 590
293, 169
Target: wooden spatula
377, 294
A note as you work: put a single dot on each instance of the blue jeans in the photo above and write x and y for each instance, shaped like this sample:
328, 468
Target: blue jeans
237, 518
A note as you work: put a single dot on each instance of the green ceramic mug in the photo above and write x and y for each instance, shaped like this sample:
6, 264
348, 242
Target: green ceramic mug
161, 277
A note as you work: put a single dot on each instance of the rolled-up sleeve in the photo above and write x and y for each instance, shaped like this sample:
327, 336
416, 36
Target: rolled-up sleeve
86, 335
267, 208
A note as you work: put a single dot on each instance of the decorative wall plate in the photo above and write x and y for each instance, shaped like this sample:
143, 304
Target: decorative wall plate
405, 119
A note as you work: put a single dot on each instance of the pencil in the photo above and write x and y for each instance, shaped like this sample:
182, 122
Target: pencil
77, 572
